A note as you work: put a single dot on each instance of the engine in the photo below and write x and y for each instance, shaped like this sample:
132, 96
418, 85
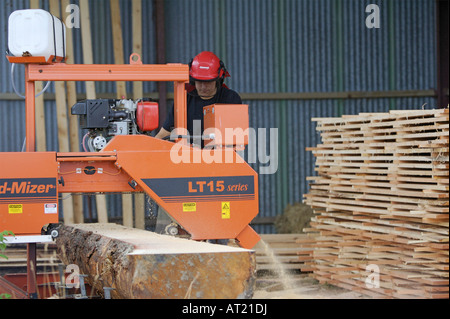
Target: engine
106, 118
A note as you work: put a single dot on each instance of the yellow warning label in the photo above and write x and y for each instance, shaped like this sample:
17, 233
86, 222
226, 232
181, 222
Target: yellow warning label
225, 210
15, 208
189, 207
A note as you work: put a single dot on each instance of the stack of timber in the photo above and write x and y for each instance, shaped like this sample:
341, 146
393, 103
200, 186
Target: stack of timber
381, 197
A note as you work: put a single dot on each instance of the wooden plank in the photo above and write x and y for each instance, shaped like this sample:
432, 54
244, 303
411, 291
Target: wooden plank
392, 115
116, 27
74, 139
85, 22
369, 125
136, 8
138, 92
86, 41
41, 142
282, 238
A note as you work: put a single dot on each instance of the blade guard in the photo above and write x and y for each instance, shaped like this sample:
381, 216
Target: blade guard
248, 238
210, 200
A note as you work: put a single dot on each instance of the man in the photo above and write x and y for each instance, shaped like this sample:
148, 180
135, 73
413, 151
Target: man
206, 78
207, 74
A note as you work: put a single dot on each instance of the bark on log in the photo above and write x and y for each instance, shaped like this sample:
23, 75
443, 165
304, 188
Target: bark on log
142, 264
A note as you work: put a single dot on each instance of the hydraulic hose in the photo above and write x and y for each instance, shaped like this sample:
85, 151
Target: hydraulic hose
14, 85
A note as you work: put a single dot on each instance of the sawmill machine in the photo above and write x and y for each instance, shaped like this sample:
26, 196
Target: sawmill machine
211, 193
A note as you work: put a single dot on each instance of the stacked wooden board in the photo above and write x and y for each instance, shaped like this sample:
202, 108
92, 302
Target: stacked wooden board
16, 262
381, 202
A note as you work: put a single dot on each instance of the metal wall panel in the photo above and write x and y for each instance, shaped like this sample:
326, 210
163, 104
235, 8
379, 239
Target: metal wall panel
12, 133
268, 46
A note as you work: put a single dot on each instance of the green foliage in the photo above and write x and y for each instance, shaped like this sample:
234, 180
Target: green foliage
2, 241
2, 248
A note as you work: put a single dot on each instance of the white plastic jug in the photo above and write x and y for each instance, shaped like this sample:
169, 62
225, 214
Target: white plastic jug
36, 32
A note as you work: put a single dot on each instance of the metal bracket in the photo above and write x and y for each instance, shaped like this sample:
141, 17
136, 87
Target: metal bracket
107, 291
28, 239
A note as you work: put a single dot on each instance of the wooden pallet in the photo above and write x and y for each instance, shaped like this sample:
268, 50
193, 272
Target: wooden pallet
381, 201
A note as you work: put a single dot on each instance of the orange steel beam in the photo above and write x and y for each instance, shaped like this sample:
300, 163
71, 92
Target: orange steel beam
86, 157
104, 177
109, 72
178, 73
30, 115
180, 113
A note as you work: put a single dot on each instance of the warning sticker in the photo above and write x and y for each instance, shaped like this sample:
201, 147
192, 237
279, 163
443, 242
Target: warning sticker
225, 210
15, 208
189, 207
51, 208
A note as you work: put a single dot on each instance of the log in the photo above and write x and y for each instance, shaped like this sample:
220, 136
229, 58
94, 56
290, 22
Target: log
140, 264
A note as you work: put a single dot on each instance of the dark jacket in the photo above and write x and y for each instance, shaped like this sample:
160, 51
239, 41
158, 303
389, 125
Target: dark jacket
195, 106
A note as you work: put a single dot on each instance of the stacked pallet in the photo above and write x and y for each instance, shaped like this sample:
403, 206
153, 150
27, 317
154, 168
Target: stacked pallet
381, 202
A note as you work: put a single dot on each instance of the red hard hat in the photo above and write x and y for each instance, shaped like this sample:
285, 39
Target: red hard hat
206, 66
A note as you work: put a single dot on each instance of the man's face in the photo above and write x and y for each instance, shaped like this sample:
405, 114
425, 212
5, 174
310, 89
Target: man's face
206, 90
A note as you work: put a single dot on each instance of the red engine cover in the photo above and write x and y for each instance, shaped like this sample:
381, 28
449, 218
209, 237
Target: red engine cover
147, 116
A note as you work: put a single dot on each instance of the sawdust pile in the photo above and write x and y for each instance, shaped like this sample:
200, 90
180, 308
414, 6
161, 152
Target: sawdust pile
294, 219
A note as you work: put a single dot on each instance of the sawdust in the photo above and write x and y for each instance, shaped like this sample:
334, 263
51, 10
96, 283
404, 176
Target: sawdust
302, 287
279, 268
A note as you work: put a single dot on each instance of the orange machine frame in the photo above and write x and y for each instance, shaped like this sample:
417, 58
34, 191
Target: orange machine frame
209, 200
